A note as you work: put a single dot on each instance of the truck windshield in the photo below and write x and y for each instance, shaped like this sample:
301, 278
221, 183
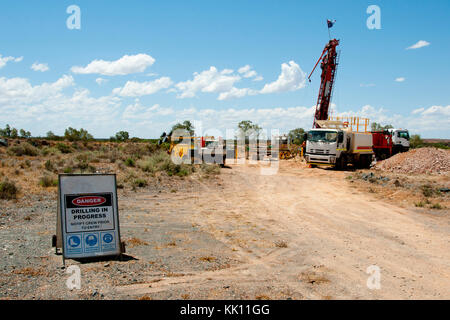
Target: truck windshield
403, 134
324, 136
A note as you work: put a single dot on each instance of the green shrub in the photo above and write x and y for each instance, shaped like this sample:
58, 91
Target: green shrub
161, 162
140, 183
68, 170
436, 206
129, 162
49, 151
23, 149
64, 148
210, 169
49, 165
420, 204
8, 190
84, 157
427, 191
415, 141
47, 181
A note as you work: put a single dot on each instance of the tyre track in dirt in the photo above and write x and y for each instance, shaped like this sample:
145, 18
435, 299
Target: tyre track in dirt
332, 234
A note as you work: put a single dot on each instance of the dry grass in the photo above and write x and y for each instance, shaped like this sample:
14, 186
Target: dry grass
174, 274
281, 244
137, 164
30, 272
313, 277
418, 190
207, 259
134, 242
8, 190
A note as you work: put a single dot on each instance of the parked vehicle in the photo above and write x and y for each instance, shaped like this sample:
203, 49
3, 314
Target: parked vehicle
334, 144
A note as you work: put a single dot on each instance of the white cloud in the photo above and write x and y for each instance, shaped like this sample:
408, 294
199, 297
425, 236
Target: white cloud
274, 118
141, 113
433, 121
236, 93
367, 85
42, 67
291, 78
20, 91
244, 69
100, 81
440, 111
258, 78
379, 115
400, 79
125, 65
136, 89
419, 110
210, 80
419, 44
5, 60
247, 72
48, 106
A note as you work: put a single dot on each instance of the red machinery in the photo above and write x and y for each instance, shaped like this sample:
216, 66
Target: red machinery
382, 144
329, 65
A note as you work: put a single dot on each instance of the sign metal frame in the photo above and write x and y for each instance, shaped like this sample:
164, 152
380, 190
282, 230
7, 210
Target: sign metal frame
61, 226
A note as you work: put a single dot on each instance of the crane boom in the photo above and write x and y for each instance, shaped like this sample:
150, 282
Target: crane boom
329, 64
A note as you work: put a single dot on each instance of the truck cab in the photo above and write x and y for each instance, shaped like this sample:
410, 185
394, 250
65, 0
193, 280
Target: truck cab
335, 144
322, 146
400, 140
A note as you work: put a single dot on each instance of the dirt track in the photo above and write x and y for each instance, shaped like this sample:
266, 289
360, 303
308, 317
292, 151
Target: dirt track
300, 234
305, 233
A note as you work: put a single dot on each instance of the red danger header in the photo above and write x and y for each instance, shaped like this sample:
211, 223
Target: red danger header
88, 201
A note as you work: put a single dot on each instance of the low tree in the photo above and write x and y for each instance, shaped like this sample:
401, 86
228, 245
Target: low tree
8, 131
51, 135
14, 133
186, 125
25, 134
72, 134
122, 136
246, 126
415, 141
296, 136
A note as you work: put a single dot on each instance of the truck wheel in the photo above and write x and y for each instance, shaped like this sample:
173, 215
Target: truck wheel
364, 162
341, 164
222, 165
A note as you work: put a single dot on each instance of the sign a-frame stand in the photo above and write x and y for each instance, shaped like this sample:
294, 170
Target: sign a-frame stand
87, 217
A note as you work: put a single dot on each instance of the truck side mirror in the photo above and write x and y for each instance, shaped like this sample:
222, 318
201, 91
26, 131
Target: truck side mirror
340, 137
305, 136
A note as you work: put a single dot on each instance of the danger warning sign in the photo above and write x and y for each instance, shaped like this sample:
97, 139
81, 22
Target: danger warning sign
89, 212
89, 220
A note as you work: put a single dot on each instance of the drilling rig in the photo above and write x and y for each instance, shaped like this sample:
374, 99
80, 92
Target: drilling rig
330, 61
335, 142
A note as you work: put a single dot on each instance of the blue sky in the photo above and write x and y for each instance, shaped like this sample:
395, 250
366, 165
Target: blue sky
151, 50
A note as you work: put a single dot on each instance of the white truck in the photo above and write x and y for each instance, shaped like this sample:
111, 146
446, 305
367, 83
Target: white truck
336, 145
400, 140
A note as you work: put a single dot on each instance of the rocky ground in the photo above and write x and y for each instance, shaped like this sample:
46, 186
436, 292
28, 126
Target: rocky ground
299, 234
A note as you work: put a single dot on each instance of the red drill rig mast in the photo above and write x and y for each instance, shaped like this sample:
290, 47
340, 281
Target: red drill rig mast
329, 64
